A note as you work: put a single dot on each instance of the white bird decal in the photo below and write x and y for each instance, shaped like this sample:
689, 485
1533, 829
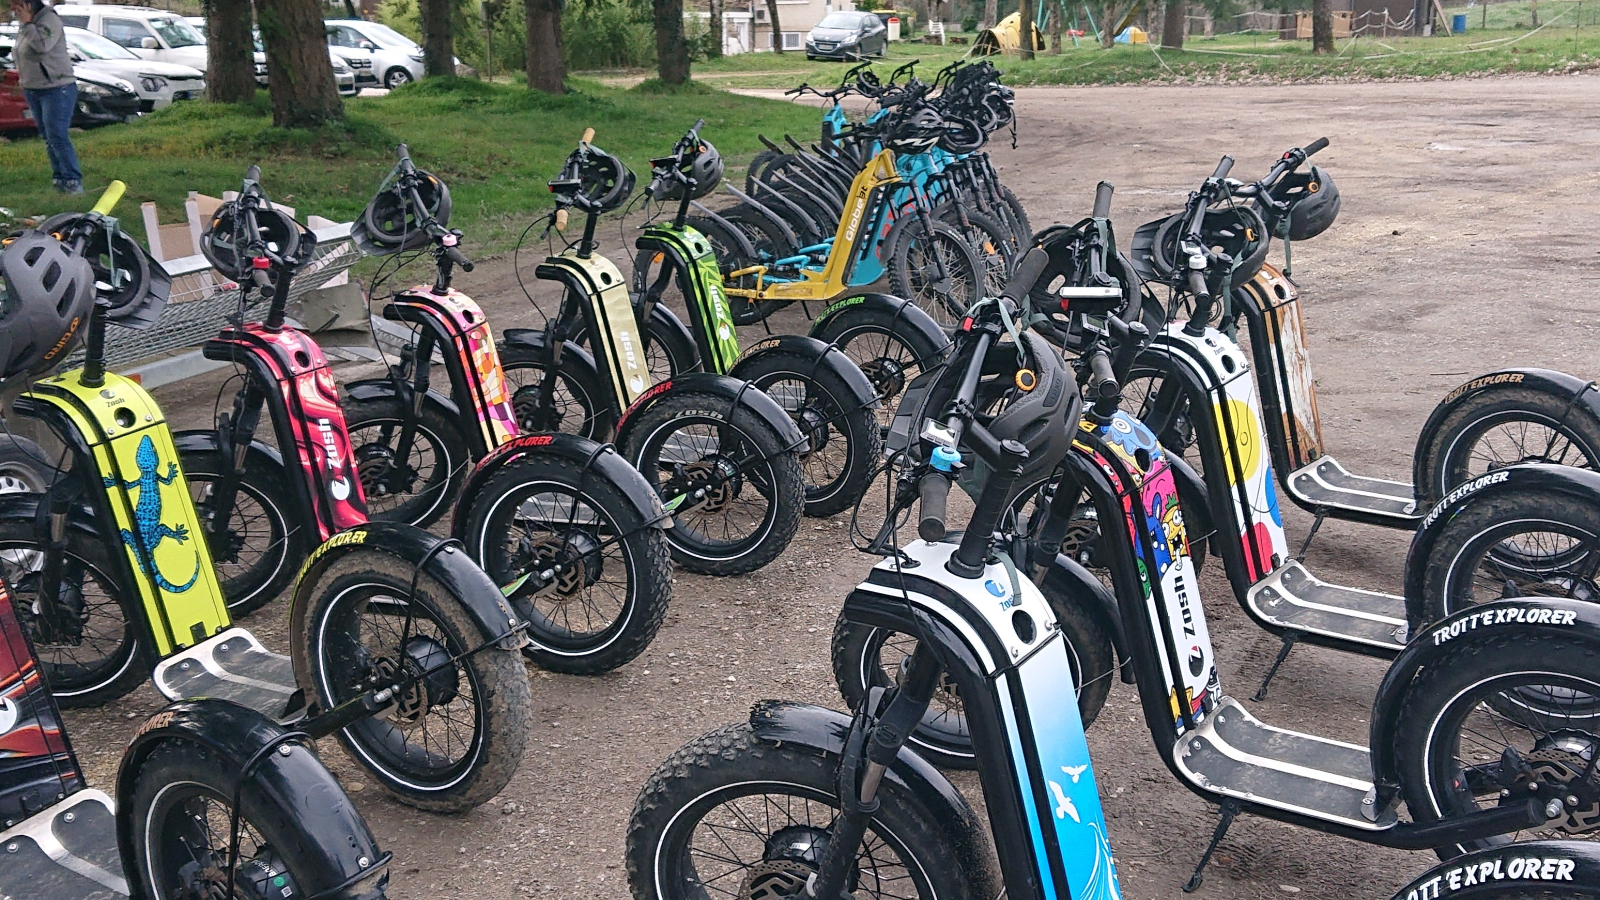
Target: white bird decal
1064, 805
1075, 771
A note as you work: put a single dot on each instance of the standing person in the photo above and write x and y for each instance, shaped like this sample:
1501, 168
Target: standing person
45, 73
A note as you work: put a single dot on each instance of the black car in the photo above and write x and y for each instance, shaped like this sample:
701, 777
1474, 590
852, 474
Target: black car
847, 35
104, 101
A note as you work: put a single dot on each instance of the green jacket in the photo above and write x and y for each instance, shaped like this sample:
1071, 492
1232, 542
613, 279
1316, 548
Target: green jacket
41, 54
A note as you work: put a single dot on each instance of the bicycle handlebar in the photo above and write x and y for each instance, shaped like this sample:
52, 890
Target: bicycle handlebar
1027, 272
1102, 200
934, 489
1223, 167
108, 200
588, 136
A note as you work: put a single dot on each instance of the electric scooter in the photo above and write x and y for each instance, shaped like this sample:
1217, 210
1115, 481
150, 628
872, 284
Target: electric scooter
722, 456
852, 810
400, 645
571, 532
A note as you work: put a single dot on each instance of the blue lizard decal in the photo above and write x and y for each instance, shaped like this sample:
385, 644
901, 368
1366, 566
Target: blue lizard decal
147, 516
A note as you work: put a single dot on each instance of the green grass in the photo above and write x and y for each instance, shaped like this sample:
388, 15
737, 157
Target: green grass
1237, 58
495, 145
1518, 14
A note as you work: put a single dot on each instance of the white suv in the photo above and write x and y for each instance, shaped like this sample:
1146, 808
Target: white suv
147, 33
396, 59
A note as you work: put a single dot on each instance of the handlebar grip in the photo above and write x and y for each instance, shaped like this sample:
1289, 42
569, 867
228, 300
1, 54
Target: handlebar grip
1102, 199
1026, 274
935, 490
561, 220
588, 136
1197, 284
1315, 146
403, 151
252, 174
1223, 168
698, 124
108, 200
1105, 377
459, 258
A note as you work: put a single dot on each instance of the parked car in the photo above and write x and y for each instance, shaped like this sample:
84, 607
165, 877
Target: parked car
156, 83
847, 35
147, 33
103, 100
14, 112
344, 76
396, 59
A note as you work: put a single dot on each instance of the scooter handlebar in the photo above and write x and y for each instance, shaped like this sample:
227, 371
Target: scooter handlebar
1102, 199
935, 491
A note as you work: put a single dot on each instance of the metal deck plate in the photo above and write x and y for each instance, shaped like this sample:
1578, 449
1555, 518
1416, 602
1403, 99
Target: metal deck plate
1292, 597
1235, 755
66, 852
1326, 483
230, 666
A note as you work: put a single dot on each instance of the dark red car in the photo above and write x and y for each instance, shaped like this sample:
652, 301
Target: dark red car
14, 114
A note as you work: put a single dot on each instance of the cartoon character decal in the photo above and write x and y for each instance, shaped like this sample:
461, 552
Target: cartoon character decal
1143, 479
1249, 463
474, 343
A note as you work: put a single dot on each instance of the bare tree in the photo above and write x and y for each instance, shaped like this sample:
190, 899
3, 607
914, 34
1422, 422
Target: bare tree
546, 72
1322, 26
991, 13
777, 30
438, 41
714, 34
1056, 15
230, 52
1174, 24
672, 52
299, 72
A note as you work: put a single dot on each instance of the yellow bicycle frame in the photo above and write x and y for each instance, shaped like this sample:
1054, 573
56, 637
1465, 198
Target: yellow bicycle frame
830, 282
113, 421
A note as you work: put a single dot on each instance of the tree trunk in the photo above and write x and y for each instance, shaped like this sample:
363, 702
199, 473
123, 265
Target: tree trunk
672, 52
299, 72
545, 69
438, 40
350, 9
1056, 15
990, 13
1322, 26
230, 55
777, 29
714, 34
1533, 10
1173, 25
1025, 29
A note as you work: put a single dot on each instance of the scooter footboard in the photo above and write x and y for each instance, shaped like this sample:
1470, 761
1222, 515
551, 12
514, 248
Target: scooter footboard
65, 852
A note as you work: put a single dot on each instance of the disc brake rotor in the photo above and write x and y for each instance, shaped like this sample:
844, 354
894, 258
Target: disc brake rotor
710, 484
424, 677
375, 466
779, 880
1561, 760
574, 559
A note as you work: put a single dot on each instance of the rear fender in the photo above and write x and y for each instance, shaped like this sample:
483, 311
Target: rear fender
722, 387
1582, 398
335, 851
1475, 625
821, 733
601, 459
822, 357
449, 565
904, 313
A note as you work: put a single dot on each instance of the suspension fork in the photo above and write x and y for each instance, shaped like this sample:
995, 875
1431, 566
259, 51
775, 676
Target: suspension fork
57, 620
873, 744
556, 329
412, 396
925, 219
235, 431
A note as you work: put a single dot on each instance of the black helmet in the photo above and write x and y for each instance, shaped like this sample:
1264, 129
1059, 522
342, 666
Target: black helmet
917, 133
593, 180
705, 169
961, 136
1313, 201
1237, 231
1042, 419
389, 224
136, 293
49, 293
224, 242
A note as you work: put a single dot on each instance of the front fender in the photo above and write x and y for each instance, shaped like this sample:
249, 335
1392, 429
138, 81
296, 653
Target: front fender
601, 459
821, 355
333, 848
1476, 624
24, 507
384, 389
1072, 583
1582, 399
821, 733
722, 387
1581, 484
449, 565
906, 316
1512, 870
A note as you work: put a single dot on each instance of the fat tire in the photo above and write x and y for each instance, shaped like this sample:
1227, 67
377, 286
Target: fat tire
499, 680
248, 591
597, 421
950, 746
966, 278
1445, 460
127, 667
733, 757
857, 425
785, 508
649, 569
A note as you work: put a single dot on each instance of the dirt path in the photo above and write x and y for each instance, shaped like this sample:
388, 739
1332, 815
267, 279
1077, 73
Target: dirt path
1465, 243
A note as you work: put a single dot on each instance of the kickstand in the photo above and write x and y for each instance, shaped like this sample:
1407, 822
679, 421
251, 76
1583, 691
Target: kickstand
1322, 513
1289, 640
1230, 808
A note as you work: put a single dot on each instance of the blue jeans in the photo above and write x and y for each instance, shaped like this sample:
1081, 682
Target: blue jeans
52, 112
